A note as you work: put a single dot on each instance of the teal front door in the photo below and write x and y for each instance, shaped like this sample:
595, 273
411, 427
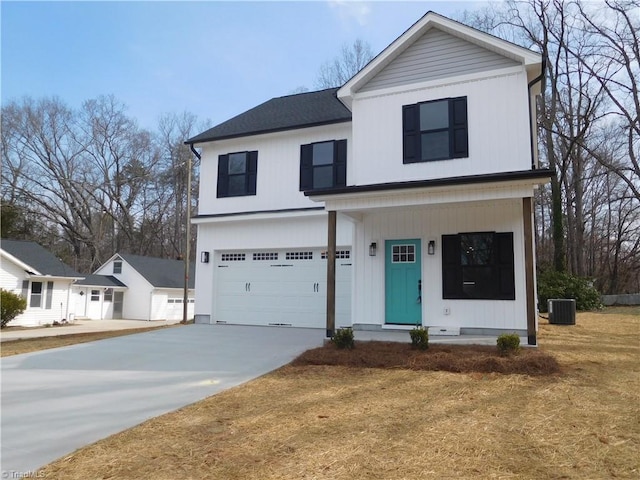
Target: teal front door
403, 282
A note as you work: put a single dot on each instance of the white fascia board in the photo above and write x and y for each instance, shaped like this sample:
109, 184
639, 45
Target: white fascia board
522, 55
29, 269
55, 277
256, 216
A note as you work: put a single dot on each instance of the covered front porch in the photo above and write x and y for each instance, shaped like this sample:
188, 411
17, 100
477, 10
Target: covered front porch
455, 257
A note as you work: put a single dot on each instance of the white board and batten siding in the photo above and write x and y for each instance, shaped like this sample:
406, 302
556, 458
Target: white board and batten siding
430, 224
498, 132
278, 179
437, 55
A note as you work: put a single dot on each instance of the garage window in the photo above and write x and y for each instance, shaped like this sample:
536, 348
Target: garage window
265, 256
233, 257
339, 254
299, 255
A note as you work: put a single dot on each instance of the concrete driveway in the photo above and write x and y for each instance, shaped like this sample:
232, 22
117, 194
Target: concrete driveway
55, 401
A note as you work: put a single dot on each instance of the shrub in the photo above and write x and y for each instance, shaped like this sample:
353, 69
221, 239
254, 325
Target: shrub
508, 343
552, 284
11, 305
419, 337
343, 338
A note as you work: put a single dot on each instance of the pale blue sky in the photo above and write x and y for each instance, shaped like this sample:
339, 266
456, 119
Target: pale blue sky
214, 59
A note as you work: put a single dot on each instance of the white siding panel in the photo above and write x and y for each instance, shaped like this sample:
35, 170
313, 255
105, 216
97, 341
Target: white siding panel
498, 127
436, 55
278, 177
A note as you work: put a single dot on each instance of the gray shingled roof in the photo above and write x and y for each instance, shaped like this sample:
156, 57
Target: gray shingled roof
283, 113
100, 281
38, 258
161, 272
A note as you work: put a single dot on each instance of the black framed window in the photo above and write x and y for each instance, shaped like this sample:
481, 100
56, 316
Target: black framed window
435, 130
117, 266
237, 174
478, 265
323, 165
36, 295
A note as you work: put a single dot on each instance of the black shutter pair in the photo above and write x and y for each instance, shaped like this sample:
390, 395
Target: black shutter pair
503, 279
251, 175
458, 131
339, 165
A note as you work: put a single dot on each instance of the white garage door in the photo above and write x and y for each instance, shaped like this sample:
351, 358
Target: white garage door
280, 287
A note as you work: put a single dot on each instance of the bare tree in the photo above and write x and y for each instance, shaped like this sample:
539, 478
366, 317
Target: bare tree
337, 72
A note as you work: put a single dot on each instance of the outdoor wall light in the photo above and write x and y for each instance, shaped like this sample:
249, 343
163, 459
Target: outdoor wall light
372, 249
204, 257
431, 247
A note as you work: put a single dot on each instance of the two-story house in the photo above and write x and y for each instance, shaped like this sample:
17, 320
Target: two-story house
417, 175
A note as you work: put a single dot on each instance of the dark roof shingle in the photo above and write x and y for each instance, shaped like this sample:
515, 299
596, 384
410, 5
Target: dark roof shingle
37, 257
283, 113
100, 281
161, 272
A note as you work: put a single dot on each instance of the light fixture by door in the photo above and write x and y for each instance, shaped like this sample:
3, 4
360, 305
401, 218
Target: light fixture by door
431, 247
204, 257
372, 249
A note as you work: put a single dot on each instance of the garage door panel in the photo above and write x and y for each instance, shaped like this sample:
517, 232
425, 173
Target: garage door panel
267, 288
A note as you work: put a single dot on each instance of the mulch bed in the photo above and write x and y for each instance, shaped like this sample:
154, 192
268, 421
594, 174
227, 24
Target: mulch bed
438, 357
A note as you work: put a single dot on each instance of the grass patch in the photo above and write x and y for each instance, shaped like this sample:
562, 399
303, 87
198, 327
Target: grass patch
344, 422
27, 345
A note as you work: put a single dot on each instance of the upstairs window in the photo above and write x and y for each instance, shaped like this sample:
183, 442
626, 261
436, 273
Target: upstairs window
478, 266
323, 165
117, 266
435, 130
237, 174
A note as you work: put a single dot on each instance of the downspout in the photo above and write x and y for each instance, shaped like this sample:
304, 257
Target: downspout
185, 300
529, 86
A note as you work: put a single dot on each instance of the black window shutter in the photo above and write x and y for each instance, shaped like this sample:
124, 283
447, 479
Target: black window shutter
504, 266
49, 295
252, 172
451, 268
306, 167
410, 134
459, 134
223, 176
340, 163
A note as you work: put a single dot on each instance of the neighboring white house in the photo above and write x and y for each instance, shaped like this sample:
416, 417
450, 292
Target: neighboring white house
29, 270
425, 160
136, 288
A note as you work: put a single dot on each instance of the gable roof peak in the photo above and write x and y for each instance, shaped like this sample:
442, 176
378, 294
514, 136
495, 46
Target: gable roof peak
429, 21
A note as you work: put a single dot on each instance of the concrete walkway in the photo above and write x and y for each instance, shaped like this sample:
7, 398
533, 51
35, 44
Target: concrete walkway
55, 401
79, 326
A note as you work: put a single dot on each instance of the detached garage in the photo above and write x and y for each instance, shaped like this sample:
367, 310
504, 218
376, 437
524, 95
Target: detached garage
280, 287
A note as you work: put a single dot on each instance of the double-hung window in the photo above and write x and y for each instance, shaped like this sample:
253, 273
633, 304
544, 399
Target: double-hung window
36, 295
435, 130
237, 174
478, 266
323, 165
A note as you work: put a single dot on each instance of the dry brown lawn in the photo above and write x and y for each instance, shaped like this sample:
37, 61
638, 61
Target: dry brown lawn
27, 345
336, 422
